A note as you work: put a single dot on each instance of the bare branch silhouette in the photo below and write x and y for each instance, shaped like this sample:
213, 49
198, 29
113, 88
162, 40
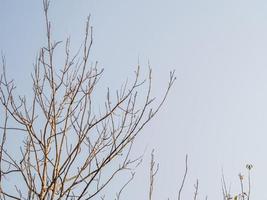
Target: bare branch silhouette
184, 177
69, 150
153, 172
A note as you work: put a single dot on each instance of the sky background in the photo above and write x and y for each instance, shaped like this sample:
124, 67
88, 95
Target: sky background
216, 111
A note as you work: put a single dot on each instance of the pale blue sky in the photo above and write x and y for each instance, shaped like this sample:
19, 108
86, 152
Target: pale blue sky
217, 110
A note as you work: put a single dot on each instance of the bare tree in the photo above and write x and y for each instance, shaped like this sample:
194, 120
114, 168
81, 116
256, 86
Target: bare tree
69, 150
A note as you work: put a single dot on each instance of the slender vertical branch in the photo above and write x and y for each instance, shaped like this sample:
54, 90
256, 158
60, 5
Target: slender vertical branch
249, 167
196, 190
184, 177
241, 177
153, 172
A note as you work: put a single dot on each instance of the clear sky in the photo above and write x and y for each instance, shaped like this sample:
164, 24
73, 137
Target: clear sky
217, 109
